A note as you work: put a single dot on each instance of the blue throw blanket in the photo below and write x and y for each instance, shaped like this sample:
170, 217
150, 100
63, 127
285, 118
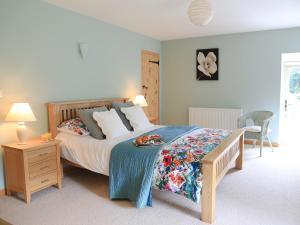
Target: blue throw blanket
131, 168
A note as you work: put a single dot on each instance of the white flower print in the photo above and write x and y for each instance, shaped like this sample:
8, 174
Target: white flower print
207, 65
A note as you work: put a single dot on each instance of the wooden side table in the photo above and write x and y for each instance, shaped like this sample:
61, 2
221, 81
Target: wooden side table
32, 167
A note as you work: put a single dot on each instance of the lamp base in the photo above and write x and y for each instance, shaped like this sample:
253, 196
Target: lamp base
22, 133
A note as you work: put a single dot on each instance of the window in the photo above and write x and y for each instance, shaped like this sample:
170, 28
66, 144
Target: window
294, 81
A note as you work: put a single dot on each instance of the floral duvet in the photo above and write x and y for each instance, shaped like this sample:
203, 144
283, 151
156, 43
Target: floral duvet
178, 166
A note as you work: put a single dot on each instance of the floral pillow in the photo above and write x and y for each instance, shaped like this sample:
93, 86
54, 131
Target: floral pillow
73, 126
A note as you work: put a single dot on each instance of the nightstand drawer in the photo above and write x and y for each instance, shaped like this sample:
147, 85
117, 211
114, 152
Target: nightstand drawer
43, 181
42, 168
41, 155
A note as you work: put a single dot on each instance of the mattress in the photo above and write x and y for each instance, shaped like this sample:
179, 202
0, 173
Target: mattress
91, 153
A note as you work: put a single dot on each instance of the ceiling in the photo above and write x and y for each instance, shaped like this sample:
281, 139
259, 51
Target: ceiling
167, 19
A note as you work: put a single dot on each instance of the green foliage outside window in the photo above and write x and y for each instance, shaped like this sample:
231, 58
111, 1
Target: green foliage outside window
295, 81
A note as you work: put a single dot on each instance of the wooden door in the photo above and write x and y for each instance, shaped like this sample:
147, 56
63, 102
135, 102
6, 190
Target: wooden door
150, 84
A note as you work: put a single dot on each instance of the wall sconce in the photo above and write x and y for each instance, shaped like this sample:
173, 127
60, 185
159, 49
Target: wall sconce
83, 49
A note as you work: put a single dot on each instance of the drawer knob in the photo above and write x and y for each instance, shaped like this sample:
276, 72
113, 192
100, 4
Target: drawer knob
43, 154
44, 167
44, 181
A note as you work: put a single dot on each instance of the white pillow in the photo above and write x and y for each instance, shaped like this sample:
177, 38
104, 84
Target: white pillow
136, 117
110, 123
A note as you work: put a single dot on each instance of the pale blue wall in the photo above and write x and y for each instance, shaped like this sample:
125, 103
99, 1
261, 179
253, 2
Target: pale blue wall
249, 73
39, 61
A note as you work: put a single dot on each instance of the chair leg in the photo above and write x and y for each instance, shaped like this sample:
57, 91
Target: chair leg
254, 143
261, 147
270, 144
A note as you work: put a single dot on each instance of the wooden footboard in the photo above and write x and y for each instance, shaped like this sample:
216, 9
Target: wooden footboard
215, 165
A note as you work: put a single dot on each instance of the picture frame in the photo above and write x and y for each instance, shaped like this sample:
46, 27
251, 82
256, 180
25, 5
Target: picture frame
207, 64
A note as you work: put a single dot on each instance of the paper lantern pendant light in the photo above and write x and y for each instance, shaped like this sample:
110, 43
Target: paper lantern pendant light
200, 12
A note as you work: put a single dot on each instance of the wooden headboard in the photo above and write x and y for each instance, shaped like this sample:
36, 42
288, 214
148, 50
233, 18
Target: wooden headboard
59, 112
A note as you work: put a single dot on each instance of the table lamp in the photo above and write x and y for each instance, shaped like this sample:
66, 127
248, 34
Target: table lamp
140, 100
21, 113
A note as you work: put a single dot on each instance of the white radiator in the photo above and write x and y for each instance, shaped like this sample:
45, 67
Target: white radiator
214, 117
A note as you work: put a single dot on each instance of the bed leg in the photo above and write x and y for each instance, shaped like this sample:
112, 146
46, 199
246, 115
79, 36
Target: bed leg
61, 170
239, 160
208, 197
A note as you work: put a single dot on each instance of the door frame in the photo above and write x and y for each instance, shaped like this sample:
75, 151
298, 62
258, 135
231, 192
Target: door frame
143, 68
295, 56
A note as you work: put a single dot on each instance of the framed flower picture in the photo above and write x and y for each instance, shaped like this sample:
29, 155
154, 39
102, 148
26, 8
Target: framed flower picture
207, 64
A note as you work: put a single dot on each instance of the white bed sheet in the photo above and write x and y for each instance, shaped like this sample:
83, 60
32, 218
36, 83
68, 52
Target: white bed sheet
91, 153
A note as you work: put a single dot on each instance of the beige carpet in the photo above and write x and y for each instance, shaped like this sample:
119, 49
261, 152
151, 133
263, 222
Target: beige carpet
266, 192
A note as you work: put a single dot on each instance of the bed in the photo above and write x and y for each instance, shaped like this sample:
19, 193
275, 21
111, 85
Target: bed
214, 165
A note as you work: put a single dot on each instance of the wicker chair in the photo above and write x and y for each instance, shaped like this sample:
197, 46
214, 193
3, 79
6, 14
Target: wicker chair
256, 125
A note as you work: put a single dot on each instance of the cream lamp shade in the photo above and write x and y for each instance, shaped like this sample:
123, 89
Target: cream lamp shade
200, 12
140, 100
21, 113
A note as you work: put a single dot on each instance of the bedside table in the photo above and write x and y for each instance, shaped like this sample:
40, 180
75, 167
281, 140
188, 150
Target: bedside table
32, 167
